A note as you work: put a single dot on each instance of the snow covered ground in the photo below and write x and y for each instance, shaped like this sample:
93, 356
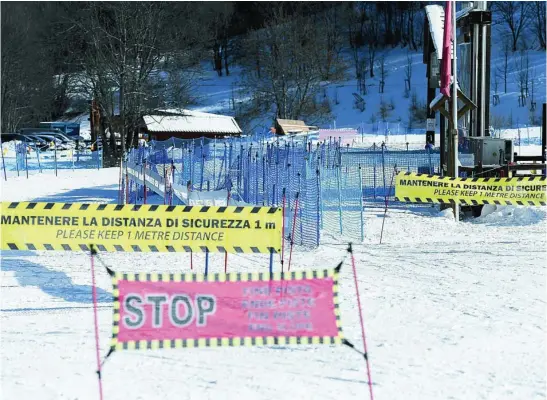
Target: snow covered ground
452, 311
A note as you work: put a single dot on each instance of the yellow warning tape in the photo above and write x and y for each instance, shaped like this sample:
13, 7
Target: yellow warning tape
140, 228
422, 188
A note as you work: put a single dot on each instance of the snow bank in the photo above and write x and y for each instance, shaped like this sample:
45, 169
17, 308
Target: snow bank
447, 213
488, 209
511, 215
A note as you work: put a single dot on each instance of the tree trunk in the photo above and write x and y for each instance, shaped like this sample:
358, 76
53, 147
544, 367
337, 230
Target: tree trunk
225, 56
515, 41
390, 35
122, 118
371, 54
217, 57
411, 29
108, 149
540, 15
257, 64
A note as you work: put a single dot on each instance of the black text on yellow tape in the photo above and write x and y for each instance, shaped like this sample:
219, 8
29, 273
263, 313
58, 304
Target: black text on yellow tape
422, 188
140, 228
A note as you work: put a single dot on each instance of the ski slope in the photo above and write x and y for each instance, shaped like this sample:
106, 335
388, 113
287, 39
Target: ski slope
214, 94
452, 311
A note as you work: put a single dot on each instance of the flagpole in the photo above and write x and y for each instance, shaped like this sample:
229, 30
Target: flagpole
455, 107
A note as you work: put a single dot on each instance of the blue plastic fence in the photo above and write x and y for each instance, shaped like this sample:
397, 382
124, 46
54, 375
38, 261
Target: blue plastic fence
324, 186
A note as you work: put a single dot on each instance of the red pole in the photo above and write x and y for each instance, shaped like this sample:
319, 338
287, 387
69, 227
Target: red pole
127, 185
94, 294
171, 183
283, 232
164, 184
120, 189
226, 253
189, 189
293, 226
361, 320
144, 182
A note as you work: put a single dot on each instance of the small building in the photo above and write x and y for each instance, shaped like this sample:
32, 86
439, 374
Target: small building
187, 124
292, 126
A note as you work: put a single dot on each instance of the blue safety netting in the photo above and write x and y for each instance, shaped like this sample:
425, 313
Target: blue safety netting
324, 187
27, 157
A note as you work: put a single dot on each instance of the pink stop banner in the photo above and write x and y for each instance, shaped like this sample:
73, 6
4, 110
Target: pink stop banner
171, 307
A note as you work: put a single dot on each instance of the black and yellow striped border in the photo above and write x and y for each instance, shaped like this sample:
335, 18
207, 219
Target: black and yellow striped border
449, 200
112, 248
92, 207
226, 341
479, 180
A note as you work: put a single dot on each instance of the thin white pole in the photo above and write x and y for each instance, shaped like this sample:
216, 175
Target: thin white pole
484, 97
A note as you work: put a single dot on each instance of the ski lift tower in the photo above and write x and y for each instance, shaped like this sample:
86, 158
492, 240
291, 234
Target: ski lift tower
473, 22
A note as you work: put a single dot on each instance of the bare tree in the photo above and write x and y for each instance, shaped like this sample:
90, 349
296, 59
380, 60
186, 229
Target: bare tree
414, 25
372, 45
522, 68
537, 16
28, 92
515, 15
290, 57
358, 102
331, 39
124, 50
362, 29
419, 29
496, 97
355, 31
128, 44
368, 32
384, 110
417, 110
363, 69
383, 73
532, 81
503, 70
408, 74
382, 24
222, 14
411, 23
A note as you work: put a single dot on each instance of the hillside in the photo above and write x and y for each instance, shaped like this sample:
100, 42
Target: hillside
215, 93
226, 94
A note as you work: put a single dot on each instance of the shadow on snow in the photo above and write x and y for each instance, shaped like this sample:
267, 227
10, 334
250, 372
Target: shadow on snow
54, 283
84, 195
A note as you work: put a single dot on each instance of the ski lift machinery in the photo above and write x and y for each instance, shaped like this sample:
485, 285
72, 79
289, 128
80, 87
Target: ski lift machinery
480, 154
